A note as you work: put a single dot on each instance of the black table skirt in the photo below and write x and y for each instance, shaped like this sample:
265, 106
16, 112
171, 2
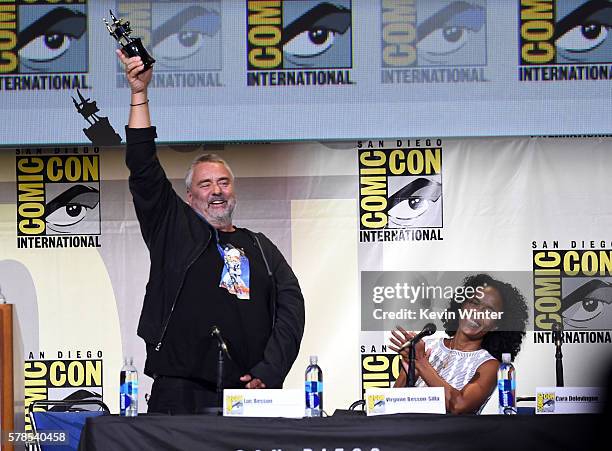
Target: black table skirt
343, 432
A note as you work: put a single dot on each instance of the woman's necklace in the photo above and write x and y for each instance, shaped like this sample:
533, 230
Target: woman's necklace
446, 360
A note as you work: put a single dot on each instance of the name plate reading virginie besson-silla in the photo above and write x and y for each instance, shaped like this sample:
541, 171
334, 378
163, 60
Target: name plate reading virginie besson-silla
385, 401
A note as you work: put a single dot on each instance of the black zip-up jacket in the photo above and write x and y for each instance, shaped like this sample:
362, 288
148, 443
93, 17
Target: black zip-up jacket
176, 236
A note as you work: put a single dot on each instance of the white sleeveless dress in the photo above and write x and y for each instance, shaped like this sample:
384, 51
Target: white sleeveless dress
455, 367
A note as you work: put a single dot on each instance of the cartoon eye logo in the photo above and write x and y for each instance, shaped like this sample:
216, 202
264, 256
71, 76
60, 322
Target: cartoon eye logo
314, 32
586, 310
236, 404
413, 200
46, 48
583, 38
444, 41
179, 45
66, 216
449, 29
49, 37
416, 206
584, 29
548, 405
183, 35
589, 306
71, 207
310, 43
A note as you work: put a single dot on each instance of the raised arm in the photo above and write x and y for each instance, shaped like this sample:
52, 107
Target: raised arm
152, 192
139, 82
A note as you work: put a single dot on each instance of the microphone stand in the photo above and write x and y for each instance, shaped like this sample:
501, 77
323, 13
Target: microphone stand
222, 346
220, 360
429, 329
558, 338
411, 365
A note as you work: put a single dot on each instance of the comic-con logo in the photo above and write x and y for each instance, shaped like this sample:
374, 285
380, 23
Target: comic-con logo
376, 403
573, 288
438, 34
379, 370
234, 404
184, 37
302, 42
44, 37
545, 402
570, 38
58, 200
59, 380
400, 189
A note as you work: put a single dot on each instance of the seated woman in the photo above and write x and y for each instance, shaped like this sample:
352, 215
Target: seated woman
466, 363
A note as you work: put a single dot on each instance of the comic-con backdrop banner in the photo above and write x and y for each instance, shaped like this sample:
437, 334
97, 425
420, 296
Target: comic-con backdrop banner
380, 233
266, 70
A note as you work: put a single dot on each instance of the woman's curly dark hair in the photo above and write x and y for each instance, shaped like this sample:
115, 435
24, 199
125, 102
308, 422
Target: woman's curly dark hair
511, 326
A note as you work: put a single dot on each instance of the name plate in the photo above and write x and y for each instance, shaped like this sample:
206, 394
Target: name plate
385, 401
264, 403
551, 400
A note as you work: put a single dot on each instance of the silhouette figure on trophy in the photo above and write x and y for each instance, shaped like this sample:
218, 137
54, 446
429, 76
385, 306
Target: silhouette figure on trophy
100, 132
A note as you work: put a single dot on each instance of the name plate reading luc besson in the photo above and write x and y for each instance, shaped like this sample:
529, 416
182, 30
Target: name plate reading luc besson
288, 403
385, 401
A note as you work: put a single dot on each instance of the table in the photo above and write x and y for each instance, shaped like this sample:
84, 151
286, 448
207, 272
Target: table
342, 433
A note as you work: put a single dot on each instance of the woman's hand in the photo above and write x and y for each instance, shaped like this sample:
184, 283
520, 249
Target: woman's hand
420, 354
399, 337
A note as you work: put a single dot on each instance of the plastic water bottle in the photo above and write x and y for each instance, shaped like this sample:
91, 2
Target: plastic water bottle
314, 388
506, 386
128, 389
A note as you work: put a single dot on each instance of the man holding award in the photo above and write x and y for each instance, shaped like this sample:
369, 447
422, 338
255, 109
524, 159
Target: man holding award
206, 274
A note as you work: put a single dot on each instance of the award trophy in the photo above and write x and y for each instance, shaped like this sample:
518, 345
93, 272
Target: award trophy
120, 30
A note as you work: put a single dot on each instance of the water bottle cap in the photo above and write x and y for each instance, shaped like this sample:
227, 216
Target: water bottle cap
313, 359
506, 357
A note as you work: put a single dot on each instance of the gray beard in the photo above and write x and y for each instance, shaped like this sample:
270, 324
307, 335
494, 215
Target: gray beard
221, 221
218, 221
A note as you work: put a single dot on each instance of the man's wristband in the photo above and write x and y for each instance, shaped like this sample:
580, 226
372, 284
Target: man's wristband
142, 103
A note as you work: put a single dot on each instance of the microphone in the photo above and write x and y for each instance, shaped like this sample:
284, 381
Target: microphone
429, 329
215, 332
